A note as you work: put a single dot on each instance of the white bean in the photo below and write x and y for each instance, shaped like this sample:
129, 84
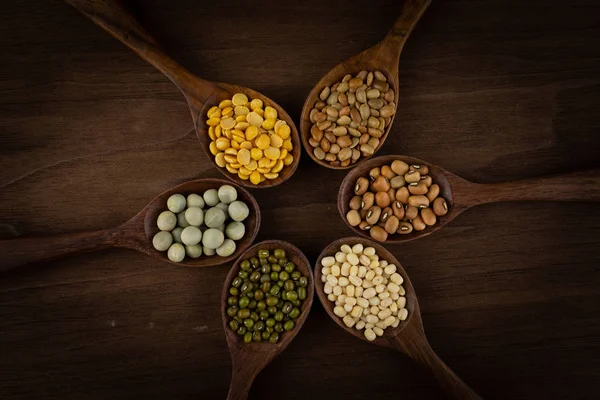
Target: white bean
327, 261
369, 326
337, 290
343, 281
352, 258
358, 291
378, 271
385, 303
396, 278
374, 301
364, 260
328, 288
354, 270
348, 307
403, 314
345, 270
350, 290
357, 248
340, 256
390, 269
369, 251
351, 301
374, 264
396, 323
357, 311
374, 310
331, 297
389, 320
332, 280
384, 295
378, 331
378, 280
383, 314
370, 335
369, 293
355, 280
335, 270
370, 275
383, 263
362, 271
394, 296
360, 325
372, 319
339, 311
392, 287
380, 288
349, 321
361, 301
345, 248
401, 302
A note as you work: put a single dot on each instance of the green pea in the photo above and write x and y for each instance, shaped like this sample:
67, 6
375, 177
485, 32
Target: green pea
252, 304
274, 276
248, 323
264, 314
290, 267
275, 267
282, 262
265, 287
261, 305
273, 259
272, 301
232, 301
289, 285
234, 291
238, 319
270, 322
232, 311
289, 325
278, 327
245, 265
294, 313
292, 295
243, 274
265, 278
241, 330
263, 253
265, 335
297, 303
302, 293
274, 290
254, 316
279, 316
246, 286
237, 282
284, 296
303, 281
284, 276
269, 329
256, 336
264, 261
280, 284
244, 301
259, 295
254, 262
255, 276
287, 307
259, 326
274, 338
279, 253
265, 269
248, 337
233, 324
296, 275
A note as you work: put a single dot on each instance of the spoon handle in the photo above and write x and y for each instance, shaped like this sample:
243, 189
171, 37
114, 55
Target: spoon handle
576, 186
111, 16
413, 342
21, 251
242, 377
403, 26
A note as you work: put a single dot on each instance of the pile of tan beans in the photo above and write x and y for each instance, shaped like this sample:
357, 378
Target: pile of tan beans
351, 117
396, 198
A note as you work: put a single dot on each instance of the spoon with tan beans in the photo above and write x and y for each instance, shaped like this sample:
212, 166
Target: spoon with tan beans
201, 95
136, 234
408, 335
452, 196
248, 359
347, 116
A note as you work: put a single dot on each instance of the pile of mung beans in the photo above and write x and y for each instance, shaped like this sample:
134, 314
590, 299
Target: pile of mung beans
266, 297
247, 140
367, 291
206, 224
350, 118
396, 198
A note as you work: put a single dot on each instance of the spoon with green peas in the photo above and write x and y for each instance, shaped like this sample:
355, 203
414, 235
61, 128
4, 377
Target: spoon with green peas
266, 298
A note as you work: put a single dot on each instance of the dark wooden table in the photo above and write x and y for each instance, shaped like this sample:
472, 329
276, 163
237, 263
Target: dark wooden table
491, 89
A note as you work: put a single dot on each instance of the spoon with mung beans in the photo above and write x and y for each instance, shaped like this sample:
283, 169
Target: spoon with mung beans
200, 94
408, 336
338, 133
248, 359
456, 194
135, 234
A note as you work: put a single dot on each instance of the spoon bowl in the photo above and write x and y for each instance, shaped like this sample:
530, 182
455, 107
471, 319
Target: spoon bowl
408, 337
461, 194
136, 234
251, 358
384, 57
200, 94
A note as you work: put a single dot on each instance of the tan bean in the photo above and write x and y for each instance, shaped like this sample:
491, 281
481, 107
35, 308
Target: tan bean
334, 87
364, 225
398, 209
313, 142
345, 111
355, 83
342, 88
376, 133
440, 207
368, 199
373, 142
427, 180
330, 136
370, 79
331, 127
362, 75
378, 233
351, 99
373, 215
373, 122
346, 162
412, 176
361, 186
386, 111
324, 125
362, 129
332, 112
404, 228
418, 201
353, 217
311, 116
343, 99
382, 199
381, 126
389, 95
433, 192
361, 96
423, 170
397, 181
374, 173
325, 93
335, 148
392, 193
365, 112
344, 120
346, 141
375, 103
333, 97
325, 145
373, 94
345, 154
335, 163
402, 195
355, 115
380, 76
391, 225
346, 78
319, 153
316, 133
411, 212
339, 130
385, 214
418, 223
319, 105
353, 132
374, 113
399, 167
428, 216
380, 85
367, 150
355, 153
354, 143
330, 157
364, 138
418, 188
320, 117
387, 172
381, 184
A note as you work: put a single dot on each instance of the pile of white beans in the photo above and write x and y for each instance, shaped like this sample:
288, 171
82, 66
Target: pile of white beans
367, 291
204, 224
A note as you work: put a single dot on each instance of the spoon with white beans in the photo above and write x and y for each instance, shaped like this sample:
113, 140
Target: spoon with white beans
365, 290
198, 223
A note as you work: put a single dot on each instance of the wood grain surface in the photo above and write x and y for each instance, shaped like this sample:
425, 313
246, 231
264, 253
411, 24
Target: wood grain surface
491, 90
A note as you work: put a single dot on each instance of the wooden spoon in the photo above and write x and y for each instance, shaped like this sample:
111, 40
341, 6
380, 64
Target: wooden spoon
408, 337
200, 94
461, 194
384, 57
249, 359
136, 234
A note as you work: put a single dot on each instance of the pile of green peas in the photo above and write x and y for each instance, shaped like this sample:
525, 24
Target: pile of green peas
266, 297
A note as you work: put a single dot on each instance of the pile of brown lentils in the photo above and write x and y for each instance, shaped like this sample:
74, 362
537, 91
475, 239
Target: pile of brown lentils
397, 198
351, 117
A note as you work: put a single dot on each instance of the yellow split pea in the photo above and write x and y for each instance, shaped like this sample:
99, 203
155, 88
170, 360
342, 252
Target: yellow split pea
249, 140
